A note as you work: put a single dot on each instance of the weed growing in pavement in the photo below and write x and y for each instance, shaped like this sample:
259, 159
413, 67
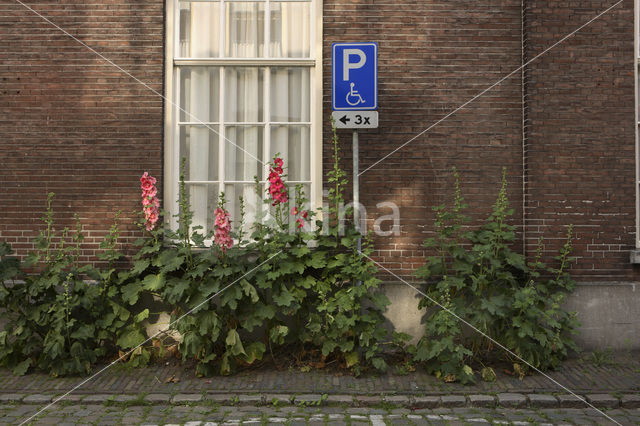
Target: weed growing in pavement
603, 357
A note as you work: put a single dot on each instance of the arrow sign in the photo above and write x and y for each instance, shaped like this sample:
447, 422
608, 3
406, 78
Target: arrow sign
355, 119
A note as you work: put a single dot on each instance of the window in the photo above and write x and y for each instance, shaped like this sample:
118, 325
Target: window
244, 83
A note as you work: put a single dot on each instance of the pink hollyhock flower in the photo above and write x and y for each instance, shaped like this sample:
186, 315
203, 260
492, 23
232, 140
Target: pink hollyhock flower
294, 211
222, 233
150, 203
277, 190
300, 222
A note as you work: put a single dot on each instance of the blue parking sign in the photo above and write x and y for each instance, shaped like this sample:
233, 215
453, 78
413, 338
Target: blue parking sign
354, 76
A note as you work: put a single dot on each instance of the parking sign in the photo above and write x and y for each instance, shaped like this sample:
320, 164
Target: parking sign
355, 76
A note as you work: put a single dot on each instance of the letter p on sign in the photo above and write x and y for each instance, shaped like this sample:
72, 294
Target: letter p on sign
348, 65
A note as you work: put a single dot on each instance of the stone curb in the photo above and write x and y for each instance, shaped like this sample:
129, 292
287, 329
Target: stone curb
505, 400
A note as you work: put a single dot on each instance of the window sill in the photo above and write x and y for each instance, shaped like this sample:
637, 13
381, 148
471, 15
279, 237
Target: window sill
635, 257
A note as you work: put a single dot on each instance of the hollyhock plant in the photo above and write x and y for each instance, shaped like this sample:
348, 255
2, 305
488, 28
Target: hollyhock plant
277, 190
222, 223
150, 202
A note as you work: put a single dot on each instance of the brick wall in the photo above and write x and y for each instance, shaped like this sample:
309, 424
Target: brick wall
72, 124
433, 57
580, 145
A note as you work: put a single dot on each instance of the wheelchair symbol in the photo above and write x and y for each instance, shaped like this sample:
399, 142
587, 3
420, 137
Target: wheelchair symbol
353, 97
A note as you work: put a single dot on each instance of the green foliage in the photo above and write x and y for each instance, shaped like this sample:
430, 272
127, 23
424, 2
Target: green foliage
57, 320
477, 276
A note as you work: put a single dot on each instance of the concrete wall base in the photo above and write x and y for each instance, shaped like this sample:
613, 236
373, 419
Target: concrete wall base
609, 313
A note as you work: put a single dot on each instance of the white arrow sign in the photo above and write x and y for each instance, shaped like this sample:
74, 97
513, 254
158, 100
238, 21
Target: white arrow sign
355, 119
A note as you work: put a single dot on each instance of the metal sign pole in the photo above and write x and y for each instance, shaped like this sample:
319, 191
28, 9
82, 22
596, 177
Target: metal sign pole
356, 188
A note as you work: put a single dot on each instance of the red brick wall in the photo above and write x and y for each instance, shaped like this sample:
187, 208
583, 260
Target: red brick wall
72, 124
580, 147
433, 57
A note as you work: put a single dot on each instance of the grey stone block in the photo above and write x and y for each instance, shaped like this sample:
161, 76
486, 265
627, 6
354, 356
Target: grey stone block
157, 398
280, 398
340, 400
542, 400
366, 401
512, 400
124, 398
450, 401
96, 399
482, 400
603, 400
426, 401
630, 401
570, 401
72, 398
250, 399
11, 397
398, 400
37, 398
182, 398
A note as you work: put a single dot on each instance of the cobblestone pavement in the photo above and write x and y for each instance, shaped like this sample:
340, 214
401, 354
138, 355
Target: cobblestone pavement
165, 394
192, 415
620, 374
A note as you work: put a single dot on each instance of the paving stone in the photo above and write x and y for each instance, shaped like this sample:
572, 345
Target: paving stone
157, 398
96, 398
182, 398
11, 397
570, 401
367, 400
250, 400
482, 400
426, 401
399, 400
450, 401
512, 400
542, 400
340, 399
630, 401
124, 398
37, 398
72, 398
603, 400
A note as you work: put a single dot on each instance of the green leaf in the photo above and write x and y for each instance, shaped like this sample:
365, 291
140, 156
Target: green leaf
21, 368
278, 333
153, 282
141, 316
139, 266
131, 292
284, 297
351, 358
249, 290
254, 351
84, 332
234, 343
130, 338
318, 260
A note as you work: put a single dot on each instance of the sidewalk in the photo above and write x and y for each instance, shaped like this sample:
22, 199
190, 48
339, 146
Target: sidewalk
615, 383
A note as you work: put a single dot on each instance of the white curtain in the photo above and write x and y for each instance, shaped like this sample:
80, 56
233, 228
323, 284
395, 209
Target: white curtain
290, 87
202, 104
243, 98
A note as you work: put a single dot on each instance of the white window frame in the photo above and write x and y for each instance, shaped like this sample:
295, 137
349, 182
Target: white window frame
171, 116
